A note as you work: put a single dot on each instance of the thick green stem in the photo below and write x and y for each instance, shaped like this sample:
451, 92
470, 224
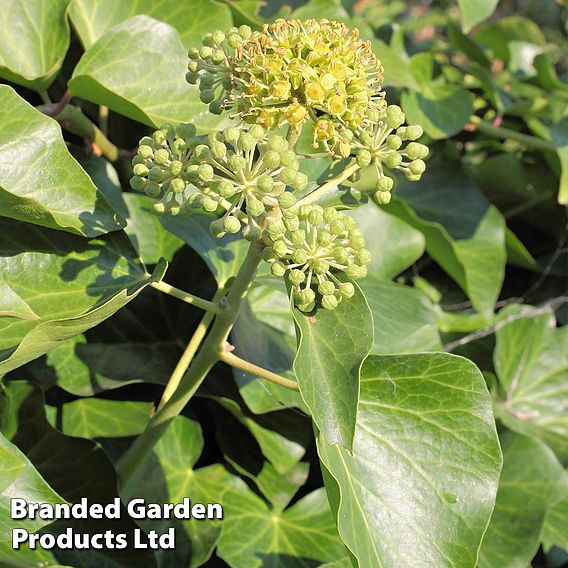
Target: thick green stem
253, 369
330, 186
508, 134
206, 305
207, 357
292, 136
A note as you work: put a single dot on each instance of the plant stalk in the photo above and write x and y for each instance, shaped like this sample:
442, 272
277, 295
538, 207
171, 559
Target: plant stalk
189, 352
329, 186
253, 369
207, 357
208, 306
507, 133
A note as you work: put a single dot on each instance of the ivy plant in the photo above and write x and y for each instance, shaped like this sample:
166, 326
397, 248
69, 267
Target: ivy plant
203, 206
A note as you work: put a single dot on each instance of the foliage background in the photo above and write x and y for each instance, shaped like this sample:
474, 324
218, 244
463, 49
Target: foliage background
472, 261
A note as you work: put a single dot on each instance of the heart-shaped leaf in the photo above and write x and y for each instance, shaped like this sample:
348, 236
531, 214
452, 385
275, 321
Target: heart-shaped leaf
34, 38
71, 283
40, 182
332, 345
475, 11
138, 69
425, 441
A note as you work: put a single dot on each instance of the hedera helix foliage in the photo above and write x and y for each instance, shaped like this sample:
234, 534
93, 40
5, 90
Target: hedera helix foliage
312, 398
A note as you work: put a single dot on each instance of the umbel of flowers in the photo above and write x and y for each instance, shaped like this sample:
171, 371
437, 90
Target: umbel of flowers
249, 178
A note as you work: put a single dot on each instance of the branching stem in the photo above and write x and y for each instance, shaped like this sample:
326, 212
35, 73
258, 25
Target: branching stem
253, 369
208, 306
198, 370
330, 186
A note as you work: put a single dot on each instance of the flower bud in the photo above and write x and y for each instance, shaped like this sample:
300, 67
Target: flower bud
414, 131
329, 302
286, 200
231, 224
363, 158
346, 289
417, 167
385, 184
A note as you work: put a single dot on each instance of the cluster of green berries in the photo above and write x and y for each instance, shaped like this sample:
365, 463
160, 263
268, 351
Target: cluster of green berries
211, 66
248, 174
382, 144
160, 167
310, 245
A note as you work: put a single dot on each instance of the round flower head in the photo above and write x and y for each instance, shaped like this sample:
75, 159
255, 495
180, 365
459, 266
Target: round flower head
382, 143
311, 245
159, 167
295, 70
247, 173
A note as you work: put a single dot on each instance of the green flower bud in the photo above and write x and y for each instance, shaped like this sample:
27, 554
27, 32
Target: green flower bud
205, 172
176, 168
177, 185
218, 150
383, 197
324, 238
394, 142
341, 255
140, 170
289, 158
234, 40
207, 96
385, 184
245, 31
257, 132
363, 158
159, 208
277, 143
205, 52
278, 269
161, 156
363, 257
279, 249
395, 116
298, 237
209, 204
286, 200
152, 189
192, 77
255, 207
156, 174
288, 175
231, 224
276, 228
137, 183
326, 288
231, 134
301, 181
306, 308
271, 159
299, 256
216, 106
394, 159
414, 131
236, 163
226, 189
417, 167
265, 183
159, 137
304, 297
417, 151
145, 151
296, 277
246, 141
355, 272
346, 289
193, 53
315, 217
321, 266
329, 302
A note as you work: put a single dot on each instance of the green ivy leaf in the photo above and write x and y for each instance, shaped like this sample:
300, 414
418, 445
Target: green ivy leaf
114, 72
531, 361
531, 480
71, 283
332, 345
34, 38
442, 110
425, 442
75, 468
146, 231
40, 182
405, 321
13, 305
464, 234
99, 418
394, 247
475, 11
93, 18
19, 478
555, 529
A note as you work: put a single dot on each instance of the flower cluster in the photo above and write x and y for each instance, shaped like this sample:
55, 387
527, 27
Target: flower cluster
289, 73
247, 173
211, 66
310, 245
160, 164
381, 143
